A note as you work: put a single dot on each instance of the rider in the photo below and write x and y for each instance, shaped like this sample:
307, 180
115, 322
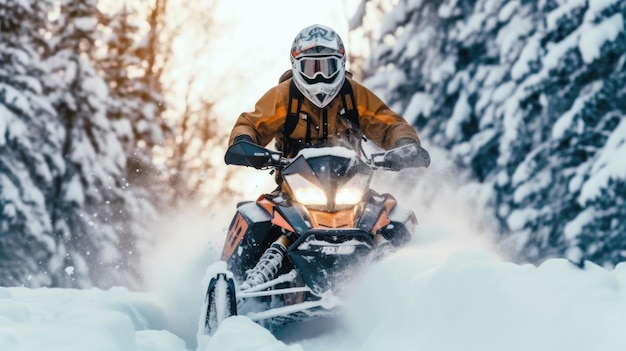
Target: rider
317, 103
331, 108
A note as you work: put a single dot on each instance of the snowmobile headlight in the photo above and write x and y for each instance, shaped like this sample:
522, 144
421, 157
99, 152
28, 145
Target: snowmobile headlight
348, 196
305, 191
353, 191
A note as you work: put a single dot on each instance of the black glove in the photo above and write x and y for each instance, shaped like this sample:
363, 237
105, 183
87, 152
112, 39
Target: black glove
245, 152
405, 142
407, 154
243, 137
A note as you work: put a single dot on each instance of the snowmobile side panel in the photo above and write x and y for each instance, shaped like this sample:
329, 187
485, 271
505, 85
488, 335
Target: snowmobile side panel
250, 232
283, 213
376, 212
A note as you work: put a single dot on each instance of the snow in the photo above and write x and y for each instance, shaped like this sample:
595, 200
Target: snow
494, 76
566, 121
518, 218
357, 17
85, 23
597, 6
4, 122
448, 9
420, 104
563, 10
431, 296
472, 26
15, 98
503, 91
444, 70
447, 290
327, 151
527, 189
507, 11
574, 227
461, 113
529, 53
589, 37
416, 43
594, 36
393, 21
74, 192
611, 164
65, 319
555, 52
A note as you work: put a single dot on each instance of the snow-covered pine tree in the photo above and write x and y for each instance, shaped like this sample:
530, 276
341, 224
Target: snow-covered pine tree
135, 95
135, 107
30, 145
95, 208
529, 95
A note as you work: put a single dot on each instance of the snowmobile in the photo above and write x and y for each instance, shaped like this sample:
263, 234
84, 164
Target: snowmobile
288, 254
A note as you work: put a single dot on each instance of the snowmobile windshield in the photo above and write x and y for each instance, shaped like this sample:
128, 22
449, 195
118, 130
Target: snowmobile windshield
328, 179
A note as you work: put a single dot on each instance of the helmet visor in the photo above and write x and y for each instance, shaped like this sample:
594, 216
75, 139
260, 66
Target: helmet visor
327, 66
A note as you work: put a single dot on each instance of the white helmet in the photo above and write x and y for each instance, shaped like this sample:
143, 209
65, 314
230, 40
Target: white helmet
318, 63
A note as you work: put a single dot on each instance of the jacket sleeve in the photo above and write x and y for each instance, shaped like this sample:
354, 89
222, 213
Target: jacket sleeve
378, 122
267, 118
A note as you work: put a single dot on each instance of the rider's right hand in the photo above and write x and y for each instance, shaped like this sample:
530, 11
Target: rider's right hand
245, 152
243, 137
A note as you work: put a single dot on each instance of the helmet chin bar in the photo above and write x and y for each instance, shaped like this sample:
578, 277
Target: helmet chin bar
319, 99
312, 92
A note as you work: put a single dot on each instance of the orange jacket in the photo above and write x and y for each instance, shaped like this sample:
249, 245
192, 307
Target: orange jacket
376, 121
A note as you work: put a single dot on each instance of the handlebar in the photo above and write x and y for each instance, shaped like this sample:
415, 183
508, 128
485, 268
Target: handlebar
245, 153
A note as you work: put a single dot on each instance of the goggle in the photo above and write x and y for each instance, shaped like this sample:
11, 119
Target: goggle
311, 67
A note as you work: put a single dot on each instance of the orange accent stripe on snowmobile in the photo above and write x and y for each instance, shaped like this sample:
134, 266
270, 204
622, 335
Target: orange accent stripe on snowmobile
277, 218
339, 219
390, 202
384, 220
281, 222
266, 204
237, 230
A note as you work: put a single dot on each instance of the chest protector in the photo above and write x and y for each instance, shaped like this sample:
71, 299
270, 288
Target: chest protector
349, 112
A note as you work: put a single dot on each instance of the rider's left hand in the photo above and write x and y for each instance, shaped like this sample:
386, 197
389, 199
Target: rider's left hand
407, 153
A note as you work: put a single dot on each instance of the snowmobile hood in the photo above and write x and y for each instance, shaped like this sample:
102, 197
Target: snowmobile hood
327, 170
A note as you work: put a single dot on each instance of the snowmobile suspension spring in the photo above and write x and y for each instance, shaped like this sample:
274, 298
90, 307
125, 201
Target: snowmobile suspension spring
269, 264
